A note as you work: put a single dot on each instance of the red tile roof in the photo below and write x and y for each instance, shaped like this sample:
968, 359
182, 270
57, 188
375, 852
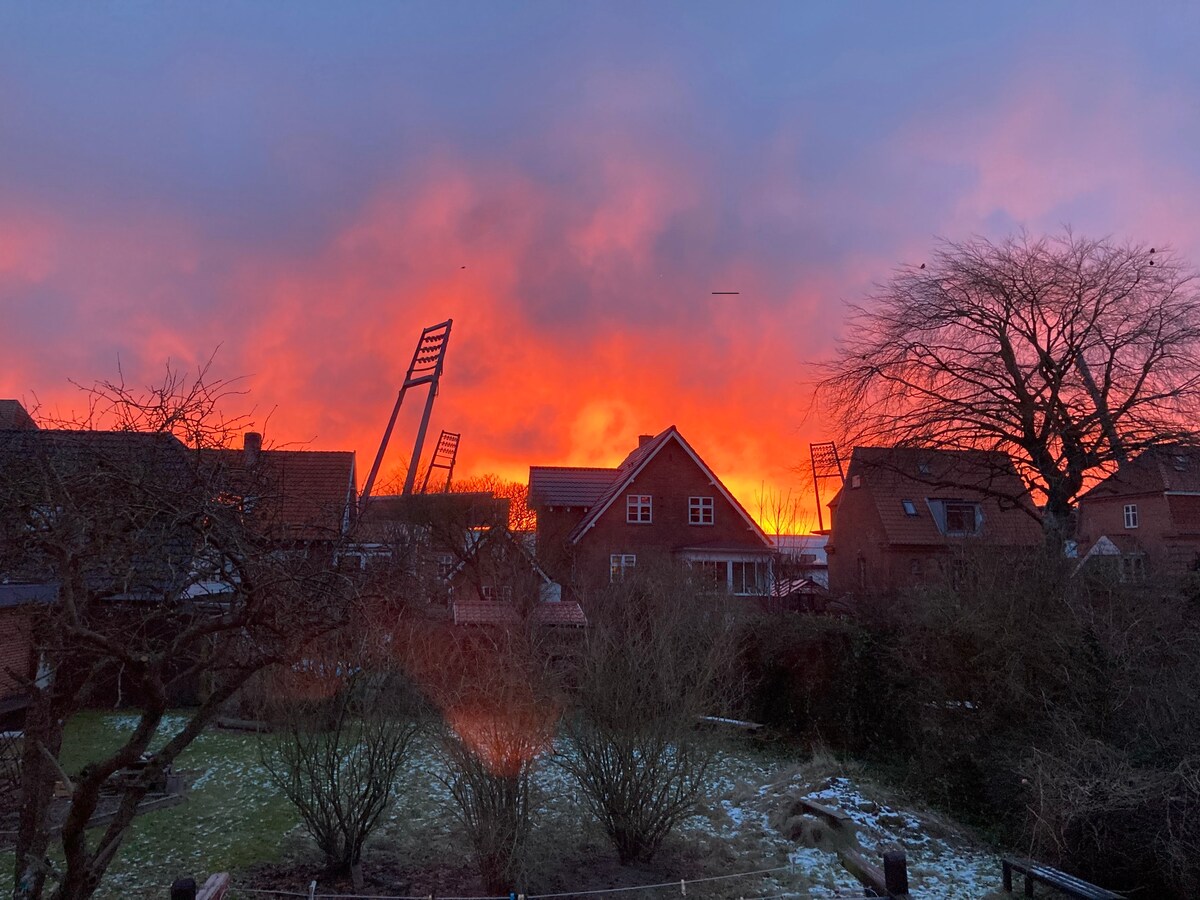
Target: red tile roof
891, 475
295, 494
13, 417
505, 614
1168, 468
568, 485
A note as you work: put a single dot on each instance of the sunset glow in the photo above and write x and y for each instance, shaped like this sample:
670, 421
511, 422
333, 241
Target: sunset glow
306, 190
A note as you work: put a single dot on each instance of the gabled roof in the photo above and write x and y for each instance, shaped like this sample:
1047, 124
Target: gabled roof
1167, 468
891, 475
635, 463
295, 494
568, 485
13, 417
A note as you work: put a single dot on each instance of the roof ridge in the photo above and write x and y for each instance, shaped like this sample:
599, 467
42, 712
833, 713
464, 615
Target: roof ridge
578, 468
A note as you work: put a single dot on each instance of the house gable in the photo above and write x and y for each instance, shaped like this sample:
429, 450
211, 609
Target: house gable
639, 475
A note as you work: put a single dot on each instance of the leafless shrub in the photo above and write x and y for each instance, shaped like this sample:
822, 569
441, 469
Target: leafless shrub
499, 713
656, 659
338, 761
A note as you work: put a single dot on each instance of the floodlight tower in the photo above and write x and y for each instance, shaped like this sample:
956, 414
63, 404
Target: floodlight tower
445, 454
425, 368
825, 465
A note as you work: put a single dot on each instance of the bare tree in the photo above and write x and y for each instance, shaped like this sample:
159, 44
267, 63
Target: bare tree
656, 659
500, 713
520, 517
338, 760
163, 581
1071, 355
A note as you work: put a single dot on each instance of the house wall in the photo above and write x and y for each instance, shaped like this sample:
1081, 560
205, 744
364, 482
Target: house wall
1169, 548
671, 478
856, 533
16, 649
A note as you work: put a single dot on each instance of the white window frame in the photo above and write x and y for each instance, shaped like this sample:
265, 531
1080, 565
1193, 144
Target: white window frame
761, 578
639, 509
619, 564
1131, 515
701, 511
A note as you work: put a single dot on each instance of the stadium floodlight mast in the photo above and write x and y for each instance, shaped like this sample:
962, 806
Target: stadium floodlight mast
445, 455
425, 368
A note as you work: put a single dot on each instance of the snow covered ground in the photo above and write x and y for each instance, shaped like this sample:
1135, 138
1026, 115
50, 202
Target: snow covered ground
234, 818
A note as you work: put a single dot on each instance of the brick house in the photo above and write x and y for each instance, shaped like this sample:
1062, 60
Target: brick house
904, 514
1146, 516
662, 501
18, 657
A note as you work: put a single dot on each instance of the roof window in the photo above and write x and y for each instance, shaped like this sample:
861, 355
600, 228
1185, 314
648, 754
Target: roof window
910, 508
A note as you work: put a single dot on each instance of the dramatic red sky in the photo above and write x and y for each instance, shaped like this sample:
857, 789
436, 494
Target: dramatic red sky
305, 186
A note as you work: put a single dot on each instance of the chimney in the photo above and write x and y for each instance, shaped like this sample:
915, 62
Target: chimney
251, 447
644, 439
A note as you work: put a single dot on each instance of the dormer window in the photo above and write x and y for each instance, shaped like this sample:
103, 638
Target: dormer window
957, 518
1131, 515
910, 508
638, 509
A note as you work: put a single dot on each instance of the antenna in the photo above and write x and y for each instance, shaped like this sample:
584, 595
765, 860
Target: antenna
425, 368
445, 455
825, 465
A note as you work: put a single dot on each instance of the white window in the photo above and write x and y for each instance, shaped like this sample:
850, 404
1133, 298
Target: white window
445, 564
490, 592
637, 509
910, 508
700, 510
619, 564
748, 578
1131, 515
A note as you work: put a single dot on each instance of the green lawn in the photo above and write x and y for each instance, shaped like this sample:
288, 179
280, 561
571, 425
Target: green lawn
230, 819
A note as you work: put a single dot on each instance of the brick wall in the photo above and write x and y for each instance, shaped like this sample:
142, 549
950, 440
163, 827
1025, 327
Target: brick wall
671, 478
16, 649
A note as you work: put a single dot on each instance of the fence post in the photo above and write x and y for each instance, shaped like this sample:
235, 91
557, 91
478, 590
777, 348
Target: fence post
183, 889
895, 872
312, 889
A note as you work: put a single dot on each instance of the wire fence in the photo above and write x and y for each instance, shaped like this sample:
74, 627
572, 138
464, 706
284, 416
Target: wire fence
681, 886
